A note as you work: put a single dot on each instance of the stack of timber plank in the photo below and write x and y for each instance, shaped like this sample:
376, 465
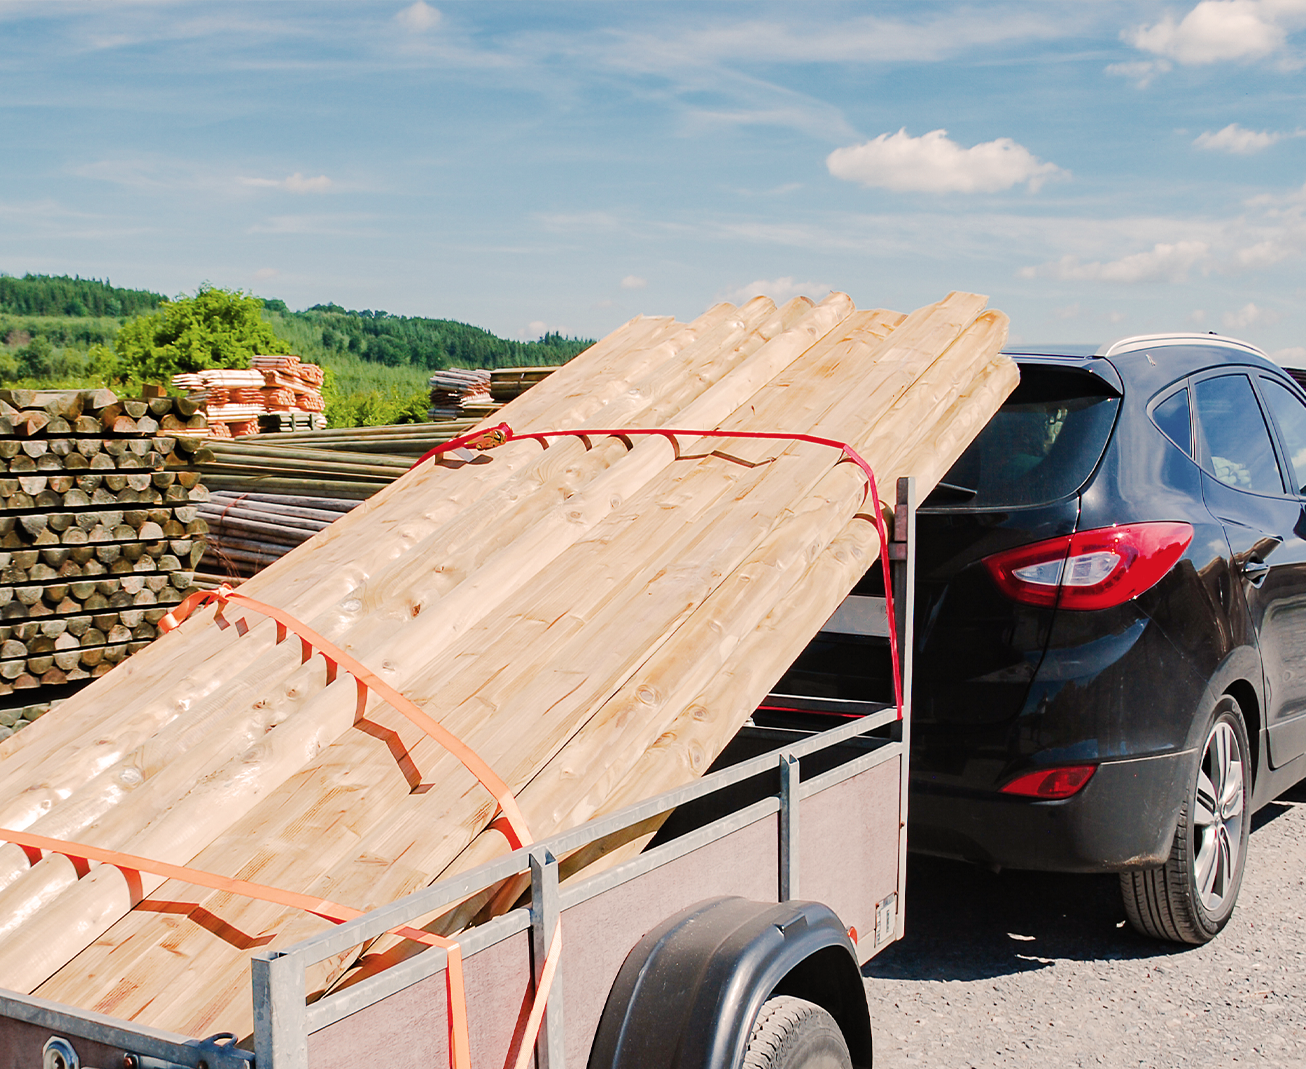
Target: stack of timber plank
507, 383
238, 400
98, 529
595, 619
455, 389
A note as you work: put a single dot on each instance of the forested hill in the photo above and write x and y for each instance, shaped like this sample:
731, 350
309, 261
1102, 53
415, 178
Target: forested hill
321, 332
59, 295
399, 341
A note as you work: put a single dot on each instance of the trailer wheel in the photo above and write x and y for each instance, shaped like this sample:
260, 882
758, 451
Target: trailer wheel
792, 1033
1191, 897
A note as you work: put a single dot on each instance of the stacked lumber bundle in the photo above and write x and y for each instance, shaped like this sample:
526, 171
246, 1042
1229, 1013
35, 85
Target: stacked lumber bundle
595, 619
507, 383
98, 529
456, 389
236, 400
281, 422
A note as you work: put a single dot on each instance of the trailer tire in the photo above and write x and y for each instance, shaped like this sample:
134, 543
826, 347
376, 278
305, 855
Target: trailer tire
792, 1033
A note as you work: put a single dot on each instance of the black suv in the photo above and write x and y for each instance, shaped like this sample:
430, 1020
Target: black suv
1110, 640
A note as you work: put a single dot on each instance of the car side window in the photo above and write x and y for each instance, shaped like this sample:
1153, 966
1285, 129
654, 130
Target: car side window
1290, 415
1171, 415
1239, 450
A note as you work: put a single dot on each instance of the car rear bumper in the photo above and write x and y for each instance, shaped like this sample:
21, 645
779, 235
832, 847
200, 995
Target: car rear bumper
1124, 818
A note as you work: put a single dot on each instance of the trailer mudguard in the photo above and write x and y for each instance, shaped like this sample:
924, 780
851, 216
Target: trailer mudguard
687, 995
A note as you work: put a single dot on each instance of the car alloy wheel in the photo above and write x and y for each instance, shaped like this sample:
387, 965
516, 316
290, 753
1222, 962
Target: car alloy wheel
1191, 897
1218, 818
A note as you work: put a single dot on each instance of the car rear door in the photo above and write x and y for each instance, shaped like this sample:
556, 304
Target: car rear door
1245, 487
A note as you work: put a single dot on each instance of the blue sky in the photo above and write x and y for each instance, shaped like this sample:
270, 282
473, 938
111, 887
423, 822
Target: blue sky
1099, 168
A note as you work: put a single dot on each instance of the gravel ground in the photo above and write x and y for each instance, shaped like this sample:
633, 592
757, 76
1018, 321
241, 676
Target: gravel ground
1032, 969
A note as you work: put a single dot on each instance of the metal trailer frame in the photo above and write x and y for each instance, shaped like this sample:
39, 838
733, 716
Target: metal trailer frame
771, 832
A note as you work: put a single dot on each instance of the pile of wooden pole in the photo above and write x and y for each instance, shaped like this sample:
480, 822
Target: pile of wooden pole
401, 440
248, 531
280, 489
17, 717
99, 530
595, 619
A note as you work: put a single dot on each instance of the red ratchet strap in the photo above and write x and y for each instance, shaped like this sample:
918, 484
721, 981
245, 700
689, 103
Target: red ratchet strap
512, 825
498, 435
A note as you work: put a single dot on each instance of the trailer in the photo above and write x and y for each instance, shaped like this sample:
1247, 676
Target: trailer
735, 938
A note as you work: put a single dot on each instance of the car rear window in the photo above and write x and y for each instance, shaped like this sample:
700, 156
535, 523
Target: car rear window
1041, 446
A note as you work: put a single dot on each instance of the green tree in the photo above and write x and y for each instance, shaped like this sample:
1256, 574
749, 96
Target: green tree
215, 328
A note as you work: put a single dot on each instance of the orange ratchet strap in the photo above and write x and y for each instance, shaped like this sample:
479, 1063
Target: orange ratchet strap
459, 1043
319, 907
511, 824
516, 831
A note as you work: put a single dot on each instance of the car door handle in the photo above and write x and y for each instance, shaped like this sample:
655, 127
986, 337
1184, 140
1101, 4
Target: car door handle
1255, 571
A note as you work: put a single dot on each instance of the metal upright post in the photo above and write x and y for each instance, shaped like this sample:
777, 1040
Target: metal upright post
903, 553
280, 1023
789, 780
549, 1052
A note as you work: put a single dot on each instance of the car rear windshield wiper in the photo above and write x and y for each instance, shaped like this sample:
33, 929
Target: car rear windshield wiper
968, 491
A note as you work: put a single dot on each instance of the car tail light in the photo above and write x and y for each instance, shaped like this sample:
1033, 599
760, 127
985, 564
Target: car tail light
1051, 782
1091, 569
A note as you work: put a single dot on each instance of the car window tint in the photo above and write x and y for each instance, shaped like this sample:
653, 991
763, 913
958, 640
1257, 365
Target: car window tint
1171, 415
1040, 446
1239, 450
1290, 414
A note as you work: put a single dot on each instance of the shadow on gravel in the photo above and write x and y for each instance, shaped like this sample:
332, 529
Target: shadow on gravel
968, 923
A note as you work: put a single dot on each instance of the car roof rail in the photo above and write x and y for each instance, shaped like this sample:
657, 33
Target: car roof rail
1139, 342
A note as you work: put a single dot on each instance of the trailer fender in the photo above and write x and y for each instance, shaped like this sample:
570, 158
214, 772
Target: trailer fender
687, 995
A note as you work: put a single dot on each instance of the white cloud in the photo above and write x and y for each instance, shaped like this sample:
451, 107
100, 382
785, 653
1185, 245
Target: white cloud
1197, 316
1165, 262
934, 164
1237, 140
265, 273
418, 17
1217, 30
779, 290
864, 39
1141, 71
1293, 356
1070, 311
537, 328
1262, 254
1248, 315
633, 282
295, 183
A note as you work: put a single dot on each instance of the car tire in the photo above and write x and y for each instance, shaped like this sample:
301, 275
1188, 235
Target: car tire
792, 1033
1191, 897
